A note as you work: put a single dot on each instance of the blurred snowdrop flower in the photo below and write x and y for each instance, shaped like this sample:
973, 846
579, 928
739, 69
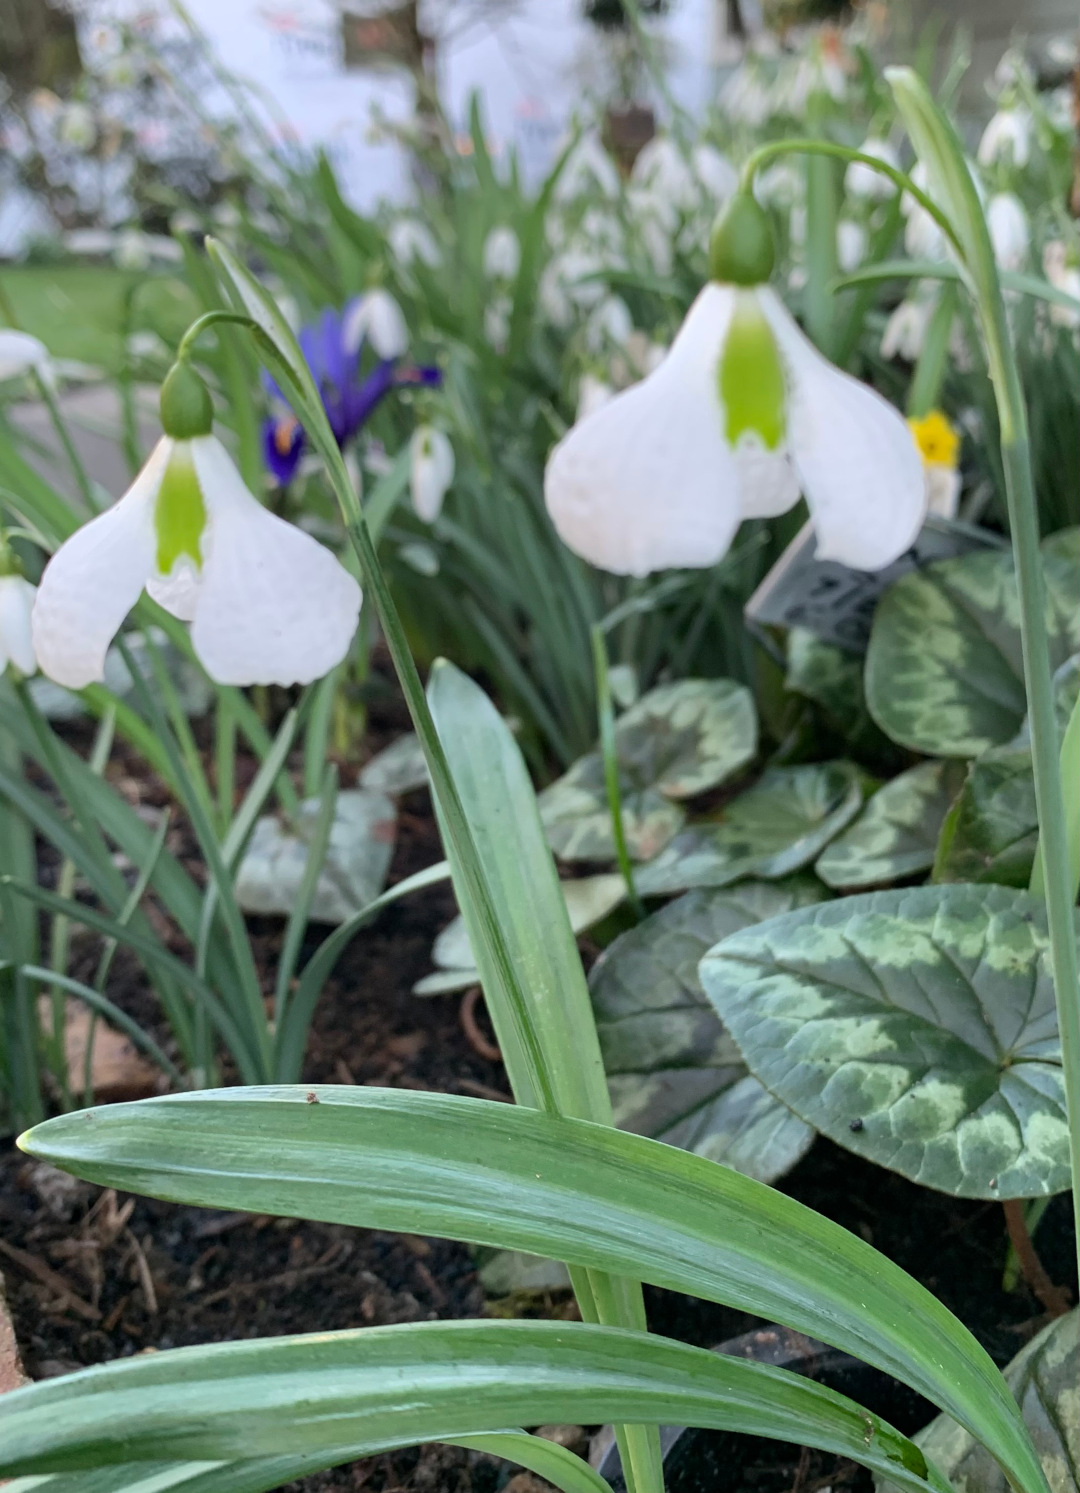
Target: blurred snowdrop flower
497, 314
566, 284
817, 73
411, 240
1063, 272
77, 128
377, 318
21, 353
131, 252
746, 96
742, 415
1007, 138
588, 171
715, 173
923, 238
662, 169
779, 185
1010, 232
267, 603
502, 254
609, 324
939, 446
431, 470
16, 604
862, 181
851, 244
657, 242
906, 328
592, 393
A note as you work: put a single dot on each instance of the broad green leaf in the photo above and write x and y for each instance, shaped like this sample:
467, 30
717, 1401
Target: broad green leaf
916, 1028
588, 899
357, 858
673, 1071
1045, 1378
778, 826
944, 672
512, 1178
344, 1394
677, 741
833, 679
895, 836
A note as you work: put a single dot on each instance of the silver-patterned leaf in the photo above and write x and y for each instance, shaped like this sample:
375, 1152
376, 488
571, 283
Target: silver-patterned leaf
357, 857
676, 741
777, 827
1045, 1379
896, 834
674, 1072
917, 1028
398, 768
944, 671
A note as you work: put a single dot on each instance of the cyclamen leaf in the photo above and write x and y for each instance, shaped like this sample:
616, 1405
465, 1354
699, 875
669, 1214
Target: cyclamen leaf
896, 835
917, 1028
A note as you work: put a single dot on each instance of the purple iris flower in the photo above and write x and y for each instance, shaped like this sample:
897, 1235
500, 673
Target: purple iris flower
349, 401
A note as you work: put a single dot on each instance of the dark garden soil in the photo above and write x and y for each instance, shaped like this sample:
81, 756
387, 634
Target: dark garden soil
91, 1275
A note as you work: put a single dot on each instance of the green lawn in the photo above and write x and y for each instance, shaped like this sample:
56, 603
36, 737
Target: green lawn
78, 310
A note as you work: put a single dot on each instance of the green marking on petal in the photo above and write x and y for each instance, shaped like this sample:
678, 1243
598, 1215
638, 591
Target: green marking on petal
751, 376
179, 513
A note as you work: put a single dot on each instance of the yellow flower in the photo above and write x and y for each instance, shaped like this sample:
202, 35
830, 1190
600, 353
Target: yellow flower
937, 439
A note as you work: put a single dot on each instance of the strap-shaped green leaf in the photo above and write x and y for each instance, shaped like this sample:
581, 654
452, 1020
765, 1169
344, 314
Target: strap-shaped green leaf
510, 1177
343, 1394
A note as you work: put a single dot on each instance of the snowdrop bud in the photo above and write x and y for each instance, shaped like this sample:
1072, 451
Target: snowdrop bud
431, 470
1007, 138
861, 180
19, 353
502, 254
267, 603
16, 603
376, 318
1010, 233
851, 243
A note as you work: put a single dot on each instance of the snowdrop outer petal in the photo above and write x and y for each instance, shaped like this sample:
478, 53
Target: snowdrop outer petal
648, 481
19, 352
95, 578
432, 471
1010, 232
861, 180
377, 318
276, 607
857, 460
502, 254
16, 643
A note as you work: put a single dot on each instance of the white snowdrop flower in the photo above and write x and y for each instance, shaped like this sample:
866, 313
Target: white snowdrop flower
797, 225
923, 238
20, 353
906, 328
1010, 232
377, 318
742, 415
502, 254
77, 128
610, 323
779, 185
657, 242
592, 393
862, 181
587, 171
1063, 273
267, 603
497, 315
131, 251
715, 173
1007, 138
851, 244
16, 604
566, 286
431, 470
600, 232
746, 97
411, 240
662, 169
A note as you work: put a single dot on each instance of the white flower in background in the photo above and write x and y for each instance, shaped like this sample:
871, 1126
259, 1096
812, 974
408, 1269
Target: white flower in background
779, 185
862, 181
21, 353
267, 603
851, 244
16, 603
588, 171
609, 324
906, 328
377, 318
411, 240
715, 173
131, 251
658, 244
502, 254
1007, 138
1010, 232
592, 393
662, 169
742, 415
431, 470
497, 314
1013, 70
923, 238
746, 96
797, 220
566, 284
77, 128
816, 73
1063, 272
